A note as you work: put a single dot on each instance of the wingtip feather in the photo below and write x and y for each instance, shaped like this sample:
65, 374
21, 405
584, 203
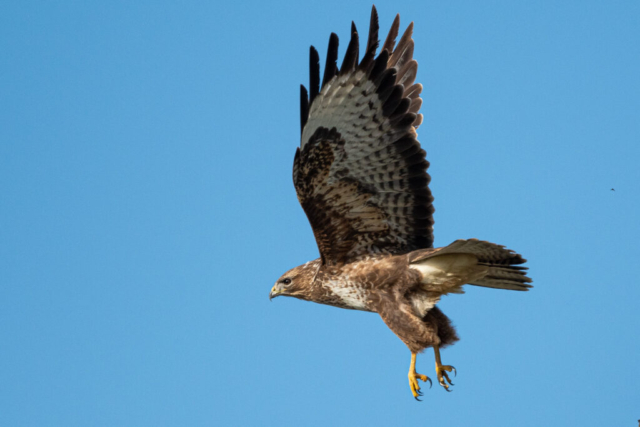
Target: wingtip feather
331, 67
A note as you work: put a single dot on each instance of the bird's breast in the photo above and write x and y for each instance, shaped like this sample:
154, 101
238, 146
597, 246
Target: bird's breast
347, 294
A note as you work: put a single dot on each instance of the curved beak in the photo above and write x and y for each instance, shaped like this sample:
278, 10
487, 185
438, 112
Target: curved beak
274, 292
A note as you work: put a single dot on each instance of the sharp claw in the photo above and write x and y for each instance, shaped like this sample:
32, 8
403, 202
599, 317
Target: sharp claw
416, 397
455, 373
430, 382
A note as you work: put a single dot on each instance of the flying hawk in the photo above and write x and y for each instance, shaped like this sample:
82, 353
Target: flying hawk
360, 176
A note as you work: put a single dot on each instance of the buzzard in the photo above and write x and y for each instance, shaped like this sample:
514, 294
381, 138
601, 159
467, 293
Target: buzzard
361, 178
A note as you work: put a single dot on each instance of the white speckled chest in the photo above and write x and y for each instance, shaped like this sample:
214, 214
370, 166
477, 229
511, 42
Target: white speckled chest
352, 296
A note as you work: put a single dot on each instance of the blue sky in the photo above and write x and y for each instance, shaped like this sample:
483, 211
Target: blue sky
146, 209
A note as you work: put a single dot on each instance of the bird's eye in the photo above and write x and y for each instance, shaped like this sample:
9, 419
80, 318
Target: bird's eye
286, 281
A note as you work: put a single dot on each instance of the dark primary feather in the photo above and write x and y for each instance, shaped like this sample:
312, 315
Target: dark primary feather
360, 173
379, 66
390, 41
372, 40
304, 107
331, 67
351, 55
314, 74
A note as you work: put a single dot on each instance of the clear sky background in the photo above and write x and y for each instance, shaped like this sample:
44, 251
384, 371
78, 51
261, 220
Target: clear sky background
146, 209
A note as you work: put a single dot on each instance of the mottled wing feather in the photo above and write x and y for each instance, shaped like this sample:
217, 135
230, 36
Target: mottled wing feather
360, 173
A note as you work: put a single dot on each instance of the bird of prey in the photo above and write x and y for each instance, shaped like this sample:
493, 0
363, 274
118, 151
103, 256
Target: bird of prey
361, 178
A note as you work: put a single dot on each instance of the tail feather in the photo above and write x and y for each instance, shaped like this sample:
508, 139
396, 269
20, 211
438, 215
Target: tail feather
501, 277
504, 271
503, 266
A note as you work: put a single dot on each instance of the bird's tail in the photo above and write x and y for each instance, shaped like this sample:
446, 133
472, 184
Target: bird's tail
505, 277
502, 267
504, 270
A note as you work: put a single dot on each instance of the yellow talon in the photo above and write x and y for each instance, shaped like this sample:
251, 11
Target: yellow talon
414, 377
441, 370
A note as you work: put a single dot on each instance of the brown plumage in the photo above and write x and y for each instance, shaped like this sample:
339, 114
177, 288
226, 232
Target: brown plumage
360, 176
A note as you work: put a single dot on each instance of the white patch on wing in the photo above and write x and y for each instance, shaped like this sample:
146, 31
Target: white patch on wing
352, 296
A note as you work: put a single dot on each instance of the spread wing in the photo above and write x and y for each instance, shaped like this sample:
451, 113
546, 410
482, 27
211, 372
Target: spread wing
360, 173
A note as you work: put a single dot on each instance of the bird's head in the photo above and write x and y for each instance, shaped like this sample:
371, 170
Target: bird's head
296, 282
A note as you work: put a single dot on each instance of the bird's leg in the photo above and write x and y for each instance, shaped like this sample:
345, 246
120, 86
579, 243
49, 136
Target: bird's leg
441, 370
414, 377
